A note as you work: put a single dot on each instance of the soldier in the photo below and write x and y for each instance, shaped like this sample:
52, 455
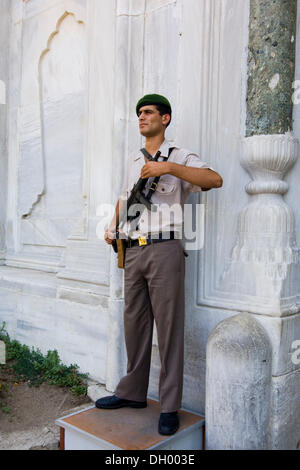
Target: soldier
155, 265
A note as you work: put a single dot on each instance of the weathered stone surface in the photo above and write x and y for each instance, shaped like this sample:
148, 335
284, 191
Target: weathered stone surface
271, 66
238, 385
285, 417
283, 333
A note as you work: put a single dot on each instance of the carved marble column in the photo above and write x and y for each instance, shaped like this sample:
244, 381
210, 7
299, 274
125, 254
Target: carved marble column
264, 271
264, 267
271, 66
263, 274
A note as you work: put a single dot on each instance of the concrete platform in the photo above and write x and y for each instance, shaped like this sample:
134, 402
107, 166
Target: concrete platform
128, 429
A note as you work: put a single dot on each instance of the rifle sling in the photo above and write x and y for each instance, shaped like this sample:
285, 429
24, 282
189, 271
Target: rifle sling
154, 183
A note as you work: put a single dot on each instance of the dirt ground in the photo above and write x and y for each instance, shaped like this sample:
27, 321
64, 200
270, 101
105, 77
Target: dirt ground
25, 410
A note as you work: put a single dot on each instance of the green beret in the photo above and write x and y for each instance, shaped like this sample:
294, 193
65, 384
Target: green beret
153, 100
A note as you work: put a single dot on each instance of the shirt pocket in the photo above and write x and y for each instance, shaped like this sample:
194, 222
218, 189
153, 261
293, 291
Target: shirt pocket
165, 187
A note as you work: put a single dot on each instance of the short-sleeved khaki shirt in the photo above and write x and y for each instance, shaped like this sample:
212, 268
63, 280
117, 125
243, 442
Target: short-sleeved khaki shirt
171, 193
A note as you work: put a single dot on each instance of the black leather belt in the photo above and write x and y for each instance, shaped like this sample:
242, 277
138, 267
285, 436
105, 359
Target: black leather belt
155, 238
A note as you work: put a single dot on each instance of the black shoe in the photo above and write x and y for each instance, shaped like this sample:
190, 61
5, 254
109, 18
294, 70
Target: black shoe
168, 423
113, 402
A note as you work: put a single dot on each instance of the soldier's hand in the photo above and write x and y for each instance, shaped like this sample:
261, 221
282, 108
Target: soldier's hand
151, 169
109, 236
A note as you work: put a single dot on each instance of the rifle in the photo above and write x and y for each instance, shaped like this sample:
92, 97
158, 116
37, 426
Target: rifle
136, 197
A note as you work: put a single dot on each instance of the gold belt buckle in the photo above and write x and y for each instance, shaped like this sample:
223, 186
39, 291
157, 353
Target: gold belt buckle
142, 241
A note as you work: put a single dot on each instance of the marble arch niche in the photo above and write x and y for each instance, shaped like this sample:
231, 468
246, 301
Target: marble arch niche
51, 199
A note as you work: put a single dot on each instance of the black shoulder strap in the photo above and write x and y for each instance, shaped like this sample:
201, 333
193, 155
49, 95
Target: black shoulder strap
146, 154
154, 183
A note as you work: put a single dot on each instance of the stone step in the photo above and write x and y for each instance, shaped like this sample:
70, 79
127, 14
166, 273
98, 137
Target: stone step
128, 429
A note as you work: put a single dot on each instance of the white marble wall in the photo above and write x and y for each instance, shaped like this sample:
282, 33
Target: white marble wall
4, 34
186, 50
60, 141
76, 71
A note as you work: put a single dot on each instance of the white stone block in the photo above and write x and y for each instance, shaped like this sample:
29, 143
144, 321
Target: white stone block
284, 427
238, 385
2, 352
283, 332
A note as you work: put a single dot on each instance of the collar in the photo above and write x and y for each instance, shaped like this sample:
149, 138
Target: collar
164, 150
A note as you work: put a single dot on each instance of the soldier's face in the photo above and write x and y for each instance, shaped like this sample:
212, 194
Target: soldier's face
151, 123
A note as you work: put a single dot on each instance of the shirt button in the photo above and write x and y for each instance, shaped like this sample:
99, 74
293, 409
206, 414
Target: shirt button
162, 189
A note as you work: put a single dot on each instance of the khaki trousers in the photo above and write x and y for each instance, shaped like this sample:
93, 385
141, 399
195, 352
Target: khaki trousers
154, 290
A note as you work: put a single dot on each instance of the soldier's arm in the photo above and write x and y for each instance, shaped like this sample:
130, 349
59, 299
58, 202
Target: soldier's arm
110, 232
203, 177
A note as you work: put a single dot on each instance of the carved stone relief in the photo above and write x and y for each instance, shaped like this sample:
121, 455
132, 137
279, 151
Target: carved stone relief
50, 175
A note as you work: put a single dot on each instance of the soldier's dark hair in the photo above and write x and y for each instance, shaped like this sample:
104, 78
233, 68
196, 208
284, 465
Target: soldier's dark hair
164, 110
